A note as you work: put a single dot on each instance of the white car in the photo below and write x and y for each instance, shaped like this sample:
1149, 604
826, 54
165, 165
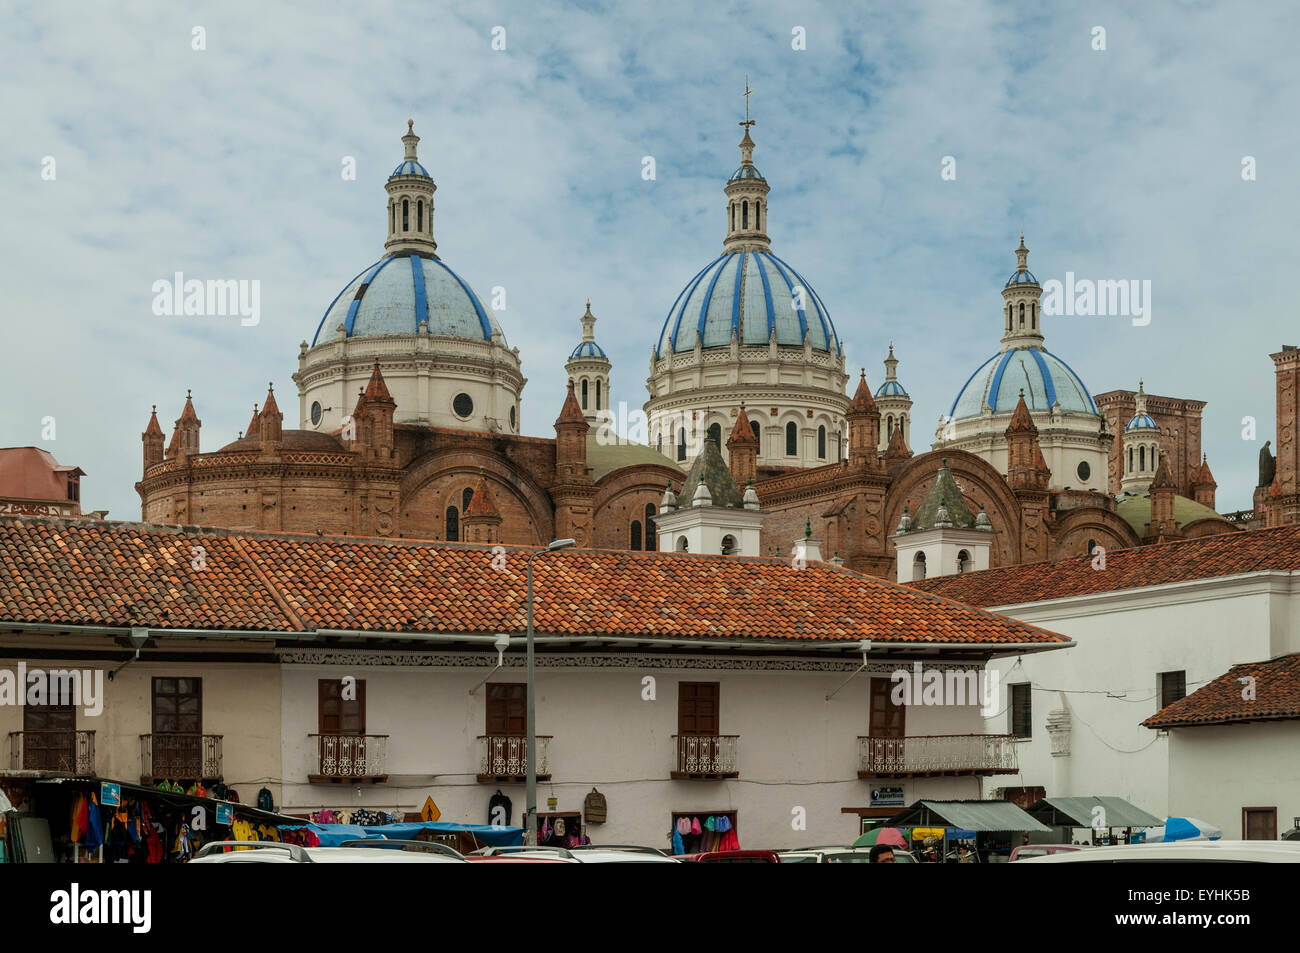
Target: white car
350, 852
1188, 851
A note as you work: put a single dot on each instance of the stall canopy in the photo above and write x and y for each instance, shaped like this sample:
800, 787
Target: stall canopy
980, 816
331, 835
1082, 812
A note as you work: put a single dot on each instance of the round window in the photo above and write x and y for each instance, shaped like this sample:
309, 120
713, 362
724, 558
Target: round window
462, 405
316, 413
1084, 471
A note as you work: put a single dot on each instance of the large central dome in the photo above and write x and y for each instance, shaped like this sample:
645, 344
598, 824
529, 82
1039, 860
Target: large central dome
754, 295
397, 293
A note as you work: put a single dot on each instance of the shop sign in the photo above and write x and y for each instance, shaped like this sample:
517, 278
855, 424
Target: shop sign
887, 797
225, 814
110, 794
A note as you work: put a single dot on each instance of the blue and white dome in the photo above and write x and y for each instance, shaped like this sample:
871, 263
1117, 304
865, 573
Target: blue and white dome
587, 349
410, 167
891, 389
751, 292
396, 293
1141, 421
746, 172
1043, 376
1022, 277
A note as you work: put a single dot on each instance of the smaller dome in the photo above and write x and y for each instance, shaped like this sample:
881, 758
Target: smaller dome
410, 167
1141, 422
1022, 277
745, 172
891, 389
587, 349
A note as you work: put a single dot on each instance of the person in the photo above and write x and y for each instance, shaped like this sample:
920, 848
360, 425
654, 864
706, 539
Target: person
881, 854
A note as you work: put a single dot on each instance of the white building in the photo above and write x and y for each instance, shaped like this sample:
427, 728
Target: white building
1151, 625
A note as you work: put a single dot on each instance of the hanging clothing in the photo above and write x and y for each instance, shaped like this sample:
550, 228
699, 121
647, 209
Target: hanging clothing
677, 843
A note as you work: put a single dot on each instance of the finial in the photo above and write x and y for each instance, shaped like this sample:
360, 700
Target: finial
807, 529
945, 461
1022, 393
270, 385
254, 408
155, 408
864, 373
748, 122
410, 125
187, 393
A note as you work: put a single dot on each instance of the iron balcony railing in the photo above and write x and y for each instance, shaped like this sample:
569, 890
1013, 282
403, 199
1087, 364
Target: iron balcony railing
351, 757
505, 757
706, 756
66, 751
179, 756
937, 754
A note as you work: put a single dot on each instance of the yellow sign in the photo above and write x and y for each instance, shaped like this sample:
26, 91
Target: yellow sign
920, 833
430, 810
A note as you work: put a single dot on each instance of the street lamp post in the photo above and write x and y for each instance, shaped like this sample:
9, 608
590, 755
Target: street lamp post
530, 836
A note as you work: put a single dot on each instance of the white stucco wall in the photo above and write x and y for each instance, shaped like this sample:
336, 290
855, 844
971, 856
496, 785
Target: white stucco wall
1109, 680
606, 736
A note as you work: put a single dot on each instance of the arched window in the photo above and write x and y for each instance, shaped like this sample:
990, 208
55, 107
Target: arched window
821, 443
1008, 315
889, 427
636, 534
1142, 458
584, 393
791, 439
466, 497
839, 446
918, 566
1130, 459
681, 443
419, 215
744, 215
651, 542
1022, 314
901, 434
453, 524
715, 433
1155, 454
733, 216
392, 208
728, 545
758, 214
1092, 544
753, 425
406, 215
1033, 315
659, 442
964, 563
598, 395
682, 545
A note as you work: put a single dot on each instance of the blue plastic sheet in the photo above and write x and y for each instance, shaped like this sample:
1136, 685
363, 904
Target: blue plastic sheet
331, 835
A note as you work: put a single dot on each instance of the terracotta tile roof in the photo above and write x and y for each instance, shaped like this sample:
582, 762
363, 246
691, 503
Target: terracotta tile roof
121, 574
742, 434
1207, 557
1276, 691
862, 402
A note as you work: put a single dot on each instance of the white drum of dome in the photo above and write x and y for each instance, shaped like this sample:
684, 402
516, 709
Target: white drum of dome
220, 297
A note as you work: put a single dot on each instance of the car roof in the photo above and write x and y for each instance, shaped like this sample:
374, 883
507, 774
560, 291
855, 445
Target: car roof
327, 855
1241, 851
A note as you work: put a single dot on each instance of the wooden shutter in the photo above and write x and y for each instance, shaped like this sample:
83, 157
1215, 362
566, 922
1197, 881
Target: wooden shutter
887, 719
697, 708
507, 708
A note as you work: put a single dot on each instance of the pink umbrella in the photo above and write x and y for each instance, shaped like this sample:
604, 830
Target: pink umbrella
891, 836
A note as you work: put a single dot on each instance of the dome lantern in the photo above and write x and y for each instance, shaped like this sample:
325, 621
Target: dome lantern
1021, 305
746, 192
410, 203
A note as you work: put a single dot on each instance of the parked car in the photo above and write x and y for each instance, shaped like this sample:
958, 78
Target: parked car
620, 854
1025, 851
839, 855
523, 854
352, 852
1189, 851
732, 857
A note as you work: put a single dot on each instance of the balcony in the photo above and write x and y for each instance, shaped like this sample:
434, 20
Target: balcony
63, 751
705, 757
505, 758
180, 757
343, 758
936, 756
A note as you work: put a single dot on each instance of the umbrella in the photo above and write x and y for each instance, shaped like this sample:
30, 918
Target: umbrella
881, 835
1182, 828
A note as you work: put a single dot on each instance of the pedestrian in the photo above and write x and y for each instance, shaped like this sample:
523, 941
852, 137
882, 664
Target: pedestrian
881, 854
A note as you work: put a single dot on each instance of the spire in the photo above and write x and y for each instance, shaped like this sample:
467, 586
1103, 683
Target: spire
1022, 255
891, 365
411, 140
1163, 479
1021, 422
862, 402
570, 412
153, 429
409, 212
270, 407
251, 429
746, 192
1140, 400
743, 432
187, 413
376, 388
747, 144
588, 324
480, 502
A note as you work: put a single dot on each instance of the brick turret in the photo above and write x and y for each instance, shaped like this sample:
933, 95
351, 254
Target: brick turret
864, 427
742, 446
152, 438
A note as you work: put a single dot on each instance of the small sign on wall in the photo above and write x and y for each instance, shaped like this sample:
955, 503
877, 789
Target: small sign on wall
888, 797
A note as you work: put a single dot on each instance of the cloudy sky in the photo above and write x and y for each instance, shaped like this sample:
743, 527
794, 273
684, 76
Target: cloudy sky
225, 162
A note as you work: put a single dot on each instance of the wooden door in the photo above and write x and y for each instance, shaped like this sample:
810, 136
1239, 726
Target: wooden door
697, 708
507, 708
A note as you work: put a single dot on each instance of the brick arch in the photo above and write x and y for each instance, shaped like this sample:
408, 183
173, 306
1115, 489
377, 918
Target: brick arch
525, 507
1072, 531
621, 496
980, 483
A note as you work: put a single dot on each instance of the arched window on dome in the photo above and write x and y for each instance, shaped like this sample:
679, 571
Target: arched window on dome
791, 439
406, 215
1130, 459
1022, 314
659, 442
1008, 315
598, 395
419, 215
889, 427
753, 425
758, 214
918, 566
744, 214
681, 443
392, 210
1033, 315
651, 542
584, 393
901, 434
1142, 458
636, 535
453, 524
733, 216
466, 497
821, 443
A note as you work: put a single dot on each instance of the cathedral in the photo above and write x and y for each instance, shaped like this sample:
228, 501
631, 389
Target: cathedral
758, 441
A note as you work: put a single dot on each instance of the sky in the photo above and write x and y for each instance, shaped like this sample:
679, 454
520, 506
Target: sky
211, 140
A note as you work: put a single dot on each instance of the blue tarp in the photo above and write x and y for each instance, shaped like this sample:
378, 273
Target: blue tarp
331, 835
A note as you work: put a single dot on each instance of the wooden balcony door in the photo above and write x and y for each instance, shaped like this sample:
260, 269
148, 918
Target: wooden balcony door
178, 728
507, 709
337, 715
49, 738
887, 719
698, 704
